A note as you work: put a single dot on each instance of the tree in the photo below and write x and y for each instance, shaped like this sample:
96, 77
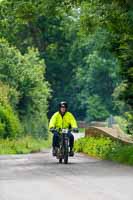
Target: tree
116, 18
96, 109
87, 47
43, 25
25, 74
96, 71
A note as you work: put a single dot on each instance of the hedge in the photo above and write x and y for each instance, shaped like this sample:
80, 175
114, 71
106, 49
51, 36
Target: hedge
105, 148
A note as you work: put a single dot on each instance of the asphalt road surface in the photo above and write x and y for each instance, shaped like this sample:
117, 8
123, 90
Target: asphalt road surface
40, 177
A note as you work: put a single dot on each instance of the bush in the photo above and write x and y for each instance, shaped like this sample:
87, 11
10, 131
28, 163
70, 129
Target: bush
105, 148
10, 126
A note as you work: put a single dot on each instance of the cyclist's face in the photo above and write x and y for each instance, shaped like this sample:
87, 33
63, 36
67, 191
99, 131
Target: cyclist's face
63, 109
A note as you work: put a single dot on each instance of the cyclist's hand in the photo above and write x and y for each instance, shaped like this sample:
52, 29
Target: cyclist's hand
52, 130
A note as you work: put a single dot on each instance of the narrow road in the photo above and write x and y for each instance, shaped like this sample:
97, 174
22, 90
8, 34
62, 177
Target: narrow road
40, 177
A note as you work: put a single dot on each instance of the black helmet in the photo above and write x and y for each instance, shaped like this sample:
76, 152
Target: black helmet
63, 103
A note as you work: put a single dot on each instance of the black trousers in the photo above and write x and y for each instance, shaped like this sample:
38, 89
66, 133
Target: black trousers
56, 139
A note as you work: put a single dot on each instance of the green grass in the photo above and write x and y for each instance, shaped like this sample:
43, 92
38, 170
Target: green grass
105, 148
24, 145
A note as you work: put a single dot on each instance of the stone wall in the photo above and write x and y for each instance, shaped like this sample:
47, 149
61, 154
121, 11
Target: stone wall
108, 132
94, 132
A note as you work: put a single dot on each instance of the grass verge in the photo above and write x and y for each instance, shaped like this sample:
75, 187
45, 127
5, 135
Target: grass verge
24, 145
105, 148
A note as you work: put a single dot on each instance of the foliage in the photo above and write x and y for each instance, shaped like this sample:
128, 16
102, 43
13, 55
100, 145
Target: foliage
10, 126
105, 148
8, 95
96, 70
24, 145
26, 90
43, 25
129, 118
96, 109
122, 122
116, 18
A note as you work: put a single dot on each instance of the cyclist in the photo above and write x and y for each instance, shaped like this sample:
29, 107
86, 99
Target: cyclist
62, 119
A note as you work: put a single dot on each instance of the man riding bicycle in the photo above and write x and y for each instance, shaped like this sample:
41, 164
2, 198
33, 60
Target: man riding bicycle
62, 119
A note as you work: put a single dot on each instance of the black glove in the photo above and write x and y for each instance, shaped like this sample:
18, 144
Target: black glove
75, 130
52, 130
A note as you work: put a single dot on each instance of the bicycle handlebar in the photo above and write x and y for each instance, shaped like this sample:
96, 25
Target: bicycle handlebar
59, 129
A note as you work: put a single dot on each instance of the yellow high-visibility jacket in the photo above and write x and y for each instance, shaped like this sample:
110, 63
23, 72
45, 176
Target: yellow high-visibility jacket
67, 121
